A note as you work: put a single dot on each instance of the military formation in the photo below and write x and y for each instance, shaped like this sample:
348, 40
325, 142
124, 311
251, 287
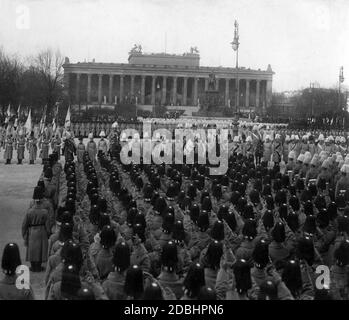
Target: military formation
101, 228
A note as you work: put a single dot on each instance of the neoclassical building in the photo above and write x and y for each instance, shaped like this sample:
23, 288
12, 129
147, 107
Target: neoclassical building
166, 79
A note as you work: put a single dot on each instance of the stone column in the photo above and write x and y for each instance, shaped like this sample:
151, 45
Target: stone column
217, 84
77, 92
100, 88
132, 85
227, 92
121, 88
66, 80
195, 91
153, 90
143, 90
257, 93
89, 80
268, 94
110, 98
174, 92
206, 84
185, 90
163, 95
247, 98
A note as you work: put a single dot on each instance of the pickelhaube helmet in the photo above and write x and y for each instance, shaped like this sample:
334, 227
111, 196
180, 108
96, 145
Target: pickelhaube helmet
332, 210
341, 254
308, 208
121, 257
294, 203
153, 292
305, 250
217, 231
131, 214
206, 204
191, 192
249, 230
147, 192
168, 222
160, 205
214, 254
278, 232
235, 197
254, 197
178, 233
169, 257
194, 212
171, 192
194, 280
260, 254
268, 220
203, 221
108, 237
248, 212
323, 218
309, 226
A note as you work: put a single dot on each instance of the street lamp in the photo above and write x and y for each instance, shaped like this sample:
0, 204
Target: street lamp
341, 80
311, 90
235, 45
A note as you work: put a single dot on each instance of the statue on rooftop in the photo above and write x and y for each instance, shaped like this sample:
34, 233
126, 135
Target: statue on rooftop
137, 48
194, 50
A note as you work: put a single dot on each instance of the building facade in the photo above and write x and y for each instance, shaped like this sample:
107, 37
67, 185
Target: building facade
166, 79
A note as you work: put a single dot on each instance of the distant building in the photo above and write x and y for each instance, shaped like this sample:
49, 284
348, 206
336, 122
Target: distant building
166, 79
283, 104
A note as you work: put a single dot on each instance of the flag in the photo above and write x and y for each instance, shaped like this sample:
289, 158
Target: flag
43, 120
67, 119
54, 126
28, 123
8, 114
17, 117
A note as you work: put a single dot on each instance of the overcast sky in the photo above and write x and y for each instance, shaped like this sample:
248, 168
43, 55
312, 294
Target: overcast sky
304, 41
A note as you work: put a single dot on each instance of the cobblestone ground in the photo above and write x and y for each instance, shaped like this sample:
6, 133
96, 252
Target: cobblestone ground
16, 191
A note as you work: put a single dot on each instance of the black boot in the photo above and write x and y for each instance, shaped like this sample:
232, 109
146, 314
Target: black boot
19, 161
8, 161
31, 162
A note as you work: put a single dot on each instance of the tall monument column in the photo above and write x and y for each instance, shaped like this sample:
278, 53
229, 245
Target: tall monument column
110, 98
121, 88
196, 80
143, 90
89, 79
153, 90
100, 88
268, 94
163, 95
77, 92
257, 94
247, 98
185, 90
132, 85
174, 92
227, 92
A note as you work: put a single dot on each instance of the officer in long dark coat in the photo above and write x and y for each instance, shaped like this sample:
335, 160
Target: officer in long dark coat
35, 232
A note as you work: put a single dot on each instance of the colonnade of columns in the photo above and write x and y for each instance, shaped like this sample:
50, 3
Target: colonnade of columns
170, 84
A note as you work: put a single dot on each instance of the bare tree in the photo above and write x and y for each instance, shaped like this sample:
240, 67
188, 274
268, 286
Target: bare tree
49, 64
11, 70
